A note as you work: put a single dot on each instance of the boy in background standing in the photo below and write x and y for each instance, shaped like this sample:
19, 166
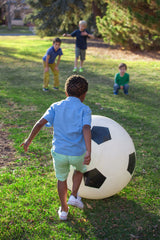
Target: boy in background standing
49, 62
81, 35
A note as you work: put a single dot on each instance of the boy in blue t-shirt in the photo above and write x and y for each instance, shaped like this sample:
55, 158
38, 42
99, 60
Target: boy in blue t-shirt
71, 120
81, 35
49, 62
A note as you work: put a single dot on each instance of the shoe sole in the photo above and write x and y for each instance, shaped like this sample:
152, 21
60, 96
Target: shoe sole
75, 205
61, 217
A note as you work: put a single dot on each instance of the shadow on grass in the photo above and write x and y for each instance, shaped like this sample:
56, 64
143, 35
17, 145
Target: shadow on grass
90, 43
112, 218
99, 43
9, 52
138, 93
109, 220
23, 83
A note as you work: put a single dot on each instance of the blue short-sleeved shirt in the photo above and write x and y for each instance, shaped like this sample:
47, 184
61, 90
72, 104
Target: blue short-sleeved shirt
68, 118
53, 54
81, 41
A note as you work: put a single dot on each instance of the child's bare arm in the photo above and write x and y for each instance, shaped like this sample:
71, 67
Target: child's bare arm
87, 138
37, 127
91, 36
58, 61
47, 63
66, 35
87, 34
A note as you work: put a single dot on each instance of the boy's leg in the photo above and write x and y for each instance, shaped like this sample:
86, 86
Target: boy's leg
45, 76
81, 63
125, 88
82, 58
77, 178
116, 88
61, 166
56, 75
74, 199
77, 162
75, 62
77, 53
62, 191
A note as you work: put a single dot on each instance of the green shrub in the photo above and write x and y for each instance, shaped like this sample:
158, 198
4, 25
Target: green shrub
131, 25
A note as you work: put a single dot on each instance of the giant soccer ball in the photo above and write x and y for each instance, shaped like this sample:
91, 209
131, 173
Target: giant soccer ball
112, 163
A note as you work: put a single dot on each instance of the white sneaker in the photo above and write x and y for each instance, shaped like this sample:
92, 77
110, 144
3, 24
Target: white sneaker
62, 214
75, 201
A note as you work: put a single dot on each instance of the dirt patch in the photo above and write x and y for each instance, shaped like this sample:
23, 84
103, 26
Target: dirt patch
98, 47
7, 152
124, 54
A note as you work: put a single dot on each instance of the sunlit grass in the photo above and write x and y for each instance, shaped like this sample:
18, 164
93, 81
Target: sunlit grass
29, 198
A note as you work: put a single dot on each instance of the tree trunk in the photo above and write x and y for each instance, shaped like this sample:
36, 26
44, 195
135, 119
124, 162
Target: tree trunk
9, 15
96, 10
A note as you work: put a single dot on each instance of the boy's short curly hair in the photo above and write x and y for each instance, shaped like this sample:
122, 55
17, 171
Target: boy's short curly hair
57, 40
76, 85
122, 65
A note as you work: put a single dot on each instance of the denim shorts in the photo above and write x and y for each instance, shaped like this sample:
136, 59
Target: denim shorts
62, 164
81, 53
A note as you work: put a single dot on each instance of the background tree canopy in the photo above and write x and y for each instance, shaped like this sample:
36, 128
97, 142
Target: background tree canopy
128, 23
131, 23
53, 16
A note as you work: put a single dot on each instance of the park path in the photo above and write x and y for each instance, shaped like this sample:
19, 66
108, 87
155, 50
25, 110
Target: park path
16, 34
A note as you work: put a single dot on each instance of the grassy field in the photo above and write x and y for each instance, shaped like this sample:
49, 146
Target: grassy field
28, 193
15, 30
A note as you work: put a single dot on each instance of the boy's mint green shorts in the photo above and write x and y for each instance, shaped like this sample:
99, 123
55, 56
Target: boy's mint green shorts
62, 164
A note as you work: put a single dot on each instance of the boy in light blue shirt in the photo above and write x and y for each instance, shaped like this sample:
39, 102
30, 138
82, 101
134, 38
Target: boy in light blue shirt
71, 120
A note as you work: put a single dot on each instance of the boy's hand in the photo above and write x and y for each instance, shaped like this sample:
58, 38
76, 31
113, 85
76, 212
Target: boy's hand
46, 69
35, 130
56, 68
64, 35
25, 145
84, 33
121, 87
87, 158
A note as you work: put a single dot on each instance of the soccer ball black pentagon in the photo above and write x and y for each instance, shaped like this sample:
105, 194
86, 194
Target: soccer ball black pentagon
113, 160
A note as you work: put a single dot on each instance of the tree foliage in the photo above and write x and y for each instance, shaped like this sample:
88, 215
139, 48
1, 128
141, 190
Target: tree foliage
52, 16
7, 5
49, 16
131, 23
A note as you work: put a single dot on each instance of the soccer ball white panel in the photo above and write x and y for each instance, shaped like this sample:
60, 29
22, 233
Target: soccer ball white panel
112, 160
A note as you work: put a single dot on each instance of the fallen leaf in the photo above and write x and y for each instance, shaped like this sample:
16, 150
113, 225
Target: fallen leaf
89, 206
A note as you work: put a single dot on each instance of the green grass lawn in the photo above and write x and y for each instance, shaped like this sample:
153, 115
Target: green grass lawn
15, 30
28, 191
